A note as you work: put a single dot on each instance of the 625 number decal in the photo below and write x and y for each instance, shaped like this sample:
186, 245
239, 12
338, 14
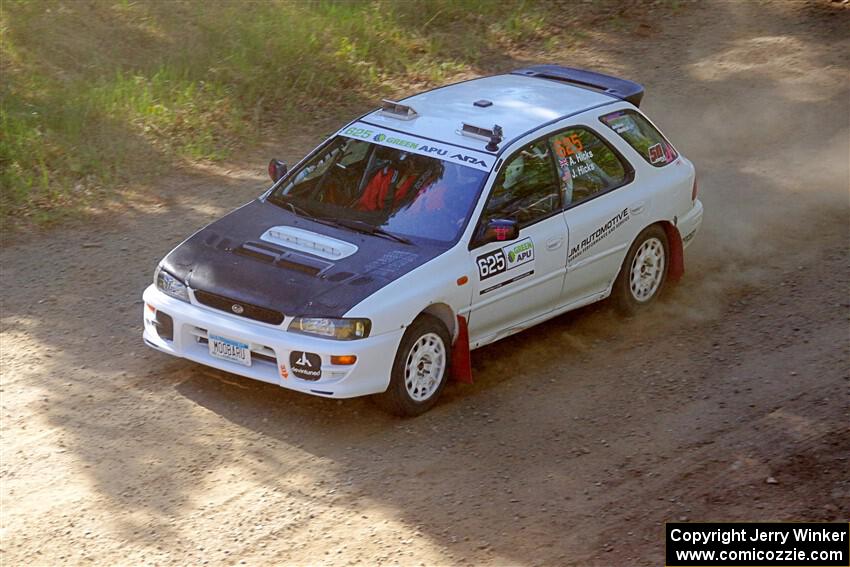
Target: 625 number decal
568, 145
491, 264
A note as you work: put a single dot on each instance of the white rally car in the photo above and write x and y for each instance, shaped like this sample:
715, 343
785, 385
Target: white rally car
430, 227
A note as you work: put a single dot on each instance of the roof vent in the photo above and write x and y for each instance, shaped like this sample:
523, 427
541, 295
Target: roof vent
483, 103
398, 110
476, 131
492, 135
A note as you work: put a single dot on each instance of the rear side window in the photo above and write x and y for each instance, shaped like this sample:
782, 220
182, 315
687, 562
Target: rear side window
641, 135
586, 165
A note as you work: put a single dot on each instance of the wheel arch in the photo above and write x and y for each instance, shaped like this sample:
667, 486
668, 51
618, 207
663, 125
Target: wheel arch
444, 314
676, 248
461, 367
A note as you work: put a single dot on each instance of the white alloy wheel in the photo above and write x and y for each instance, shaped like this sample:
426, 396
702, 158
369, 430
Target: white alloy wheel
424, 367
647, 270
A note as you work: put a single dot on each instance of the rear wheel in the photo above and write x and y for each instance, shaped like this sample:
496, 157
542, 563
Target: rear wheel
420, 369
644, 271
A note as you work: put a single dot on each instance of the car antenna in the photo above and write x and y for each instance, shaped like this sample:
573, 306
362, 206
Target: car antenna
495, 138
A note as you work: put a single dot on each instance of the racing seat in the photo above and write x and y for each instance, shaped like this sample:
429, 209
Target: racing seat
385, 189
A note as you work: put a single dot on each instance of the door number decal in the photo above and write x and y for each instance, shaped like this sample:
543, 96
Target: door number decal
503, 259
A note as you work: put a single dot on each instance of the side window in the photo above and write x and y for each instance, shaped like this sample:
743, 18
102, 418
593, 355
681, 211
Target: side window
586, 165
641, 135
527, 189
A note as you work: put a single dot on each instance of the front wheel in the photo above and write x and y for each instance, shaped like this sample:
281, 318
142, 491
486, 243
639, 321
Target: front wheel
420, 369
643, 272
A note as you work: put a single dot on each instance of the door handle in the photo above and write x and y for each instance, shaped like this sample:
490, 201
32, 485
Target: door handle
637, 208
554, 243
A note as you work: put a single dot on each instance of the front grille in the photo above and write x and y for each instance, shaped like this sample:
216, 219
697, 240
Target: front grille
249, 311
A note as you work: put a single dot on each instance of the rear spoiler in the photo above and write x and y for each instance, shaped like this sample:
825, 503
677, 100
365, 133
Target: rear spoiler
614, 86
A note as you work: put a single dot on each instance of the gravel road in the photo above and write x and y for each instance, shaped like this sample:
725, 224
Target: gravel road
579, 438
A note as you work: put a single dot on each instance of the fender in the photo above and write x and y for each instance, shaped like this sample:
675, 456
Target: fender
461, 356
677, 254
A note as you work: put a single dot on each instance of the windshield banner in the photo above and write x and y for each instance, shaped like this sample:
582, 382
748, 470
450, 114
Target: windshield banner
416, 145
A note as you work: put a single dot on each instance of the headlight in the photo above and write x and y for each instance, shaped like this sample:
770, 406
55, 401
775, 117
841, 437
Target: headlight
340, 329
170, 285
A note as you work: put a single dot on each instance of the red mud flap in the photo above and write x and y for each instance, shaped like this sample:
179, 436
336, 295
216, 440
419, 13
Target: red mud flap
677, 254
461, 357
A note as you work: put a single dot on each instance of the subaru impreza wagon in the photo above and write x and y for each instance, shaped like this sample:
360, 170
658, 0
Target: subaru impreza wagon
430, 227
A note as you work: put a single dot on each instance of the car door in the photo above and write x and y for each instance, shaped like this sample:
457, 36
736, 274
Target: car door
517, 280
602, 210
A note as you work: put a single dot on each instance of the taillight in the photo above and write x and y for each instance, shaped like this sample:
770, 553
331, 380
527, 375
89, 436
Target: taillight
694, 190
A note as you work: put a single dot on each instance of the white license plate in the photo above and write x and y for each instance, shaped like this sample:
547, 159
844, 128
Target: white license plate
228, 349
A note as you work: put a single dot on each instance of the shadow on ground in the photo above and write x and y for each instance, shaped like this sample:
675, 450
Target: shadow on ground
569, 427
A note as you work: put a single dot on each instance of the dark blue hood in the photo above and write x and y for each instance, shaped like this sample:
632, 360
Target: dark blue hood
228, 259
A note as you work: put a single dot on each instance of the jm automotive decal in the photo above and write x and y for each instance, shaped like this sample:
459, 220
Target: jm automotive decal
409, 143
599, 234
503, 259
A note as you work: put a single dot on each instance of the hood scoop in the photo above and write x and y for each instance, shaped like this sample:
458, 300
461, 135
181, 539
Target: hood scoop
309, 242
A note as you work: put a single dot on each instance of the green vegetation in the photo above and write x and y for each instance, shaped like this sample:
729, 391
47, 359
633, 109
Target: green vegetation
99, 92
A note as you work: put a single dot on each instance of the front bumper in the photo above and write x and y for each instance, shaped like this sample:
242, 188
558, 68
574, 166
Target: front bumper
689, 224
270, 348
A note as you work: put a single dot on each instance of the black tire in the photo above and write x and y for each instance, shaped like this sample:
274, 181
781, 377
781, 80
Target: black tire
624, 294
397, 399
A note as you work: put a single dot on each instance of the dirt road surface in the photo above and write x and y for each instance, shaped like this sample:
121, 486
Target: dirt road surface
580, 437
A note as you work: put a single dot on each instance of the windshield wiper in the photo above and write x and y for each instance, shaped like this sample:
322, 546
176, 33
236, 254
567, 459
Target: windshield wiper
286, 204
365, 227
301, 212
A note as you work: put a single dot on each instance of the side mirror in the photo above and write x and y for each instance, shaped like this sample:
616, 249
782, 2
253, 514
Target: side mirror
500, 230
277, 169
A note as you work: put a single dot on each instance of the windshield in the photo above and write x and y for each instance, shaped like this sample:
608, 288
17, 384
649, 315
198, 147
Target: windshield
397, 191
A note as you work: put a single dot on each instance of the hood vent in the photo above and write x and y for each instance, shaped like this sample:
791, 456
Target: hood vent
303, 264
259, 251
339, 276
362, 280
283, 259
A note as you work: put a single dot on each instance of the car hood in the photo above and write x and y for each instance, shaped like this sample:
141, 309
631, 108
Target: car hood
266, 256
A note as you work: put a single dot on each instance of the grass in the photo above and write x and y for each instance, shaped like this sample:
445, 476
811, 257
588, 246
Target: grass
97, 93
